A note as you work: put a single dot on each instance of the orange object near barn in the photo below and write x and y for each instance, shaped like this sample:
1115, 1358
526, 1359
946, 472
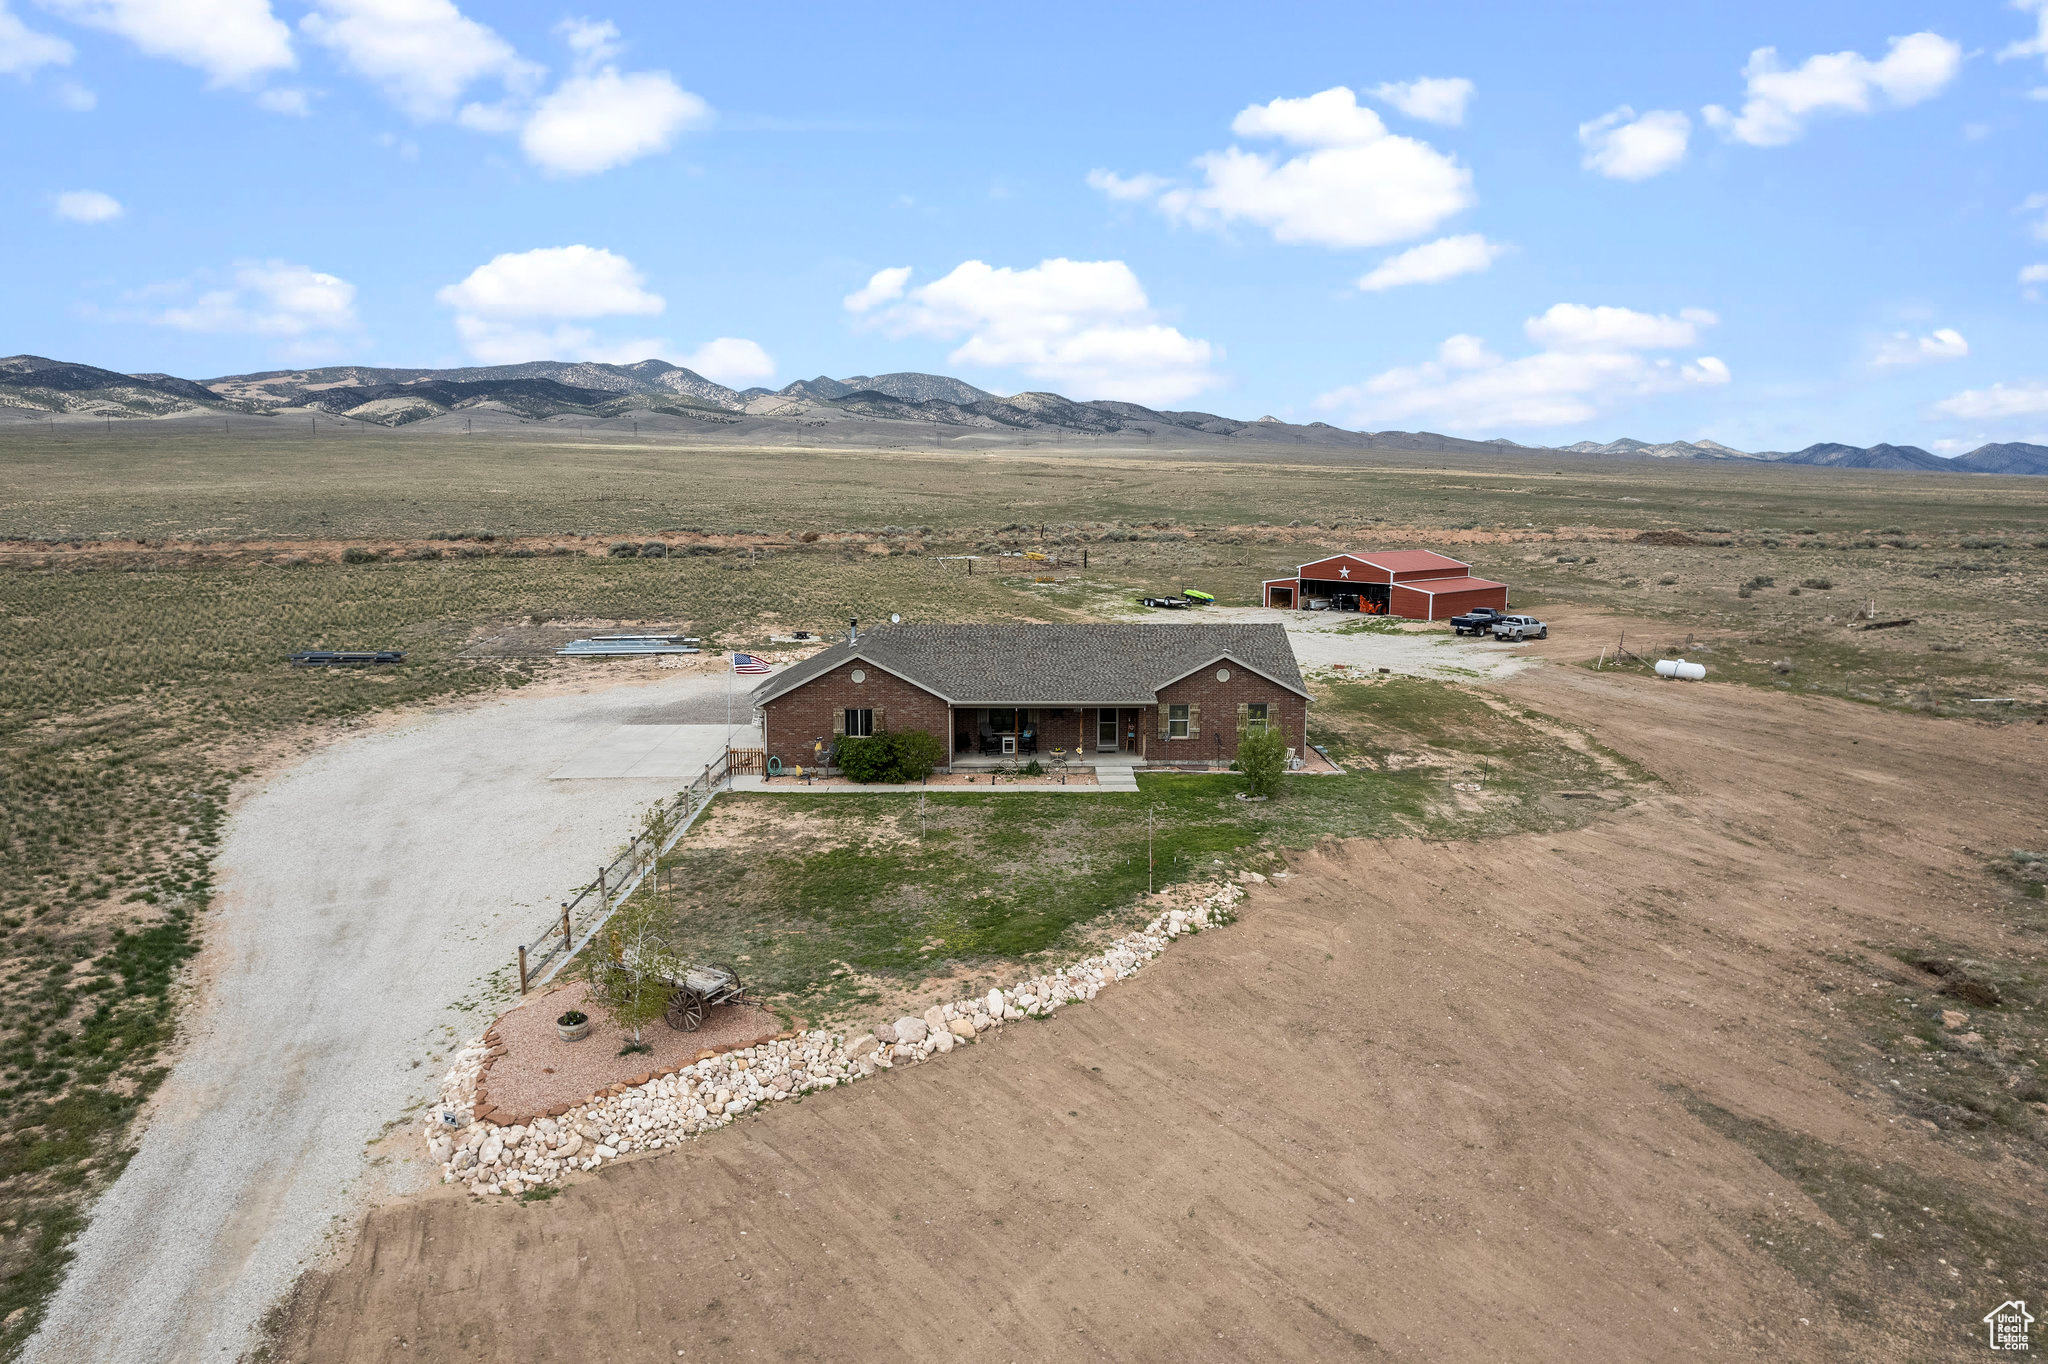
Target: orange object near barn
1414, 584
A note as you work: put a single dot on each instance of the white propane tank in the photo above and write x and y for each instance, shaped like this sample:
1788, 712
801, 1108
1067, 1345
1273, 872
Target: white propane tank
1679, 668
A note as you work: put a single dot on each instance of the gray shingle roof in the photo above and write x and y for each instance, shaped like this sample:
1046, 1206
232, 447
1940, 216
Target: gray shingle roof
1022, 665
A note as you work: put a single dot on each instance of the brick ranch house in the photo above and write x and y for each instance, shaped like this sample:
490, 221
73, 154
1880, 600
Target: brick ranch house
1137, 693
1416, 584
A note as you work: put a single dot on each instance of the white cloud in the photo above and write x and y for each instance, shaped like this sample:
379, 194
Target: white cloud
269, 298
23, 50
1999, 400
1442, 259
1355, 185
1332, 118
2031, 275
88, 206
285, 101
423, 54
2036, 46
1574, 326
554, 282
731, 361
590, 41
1085, 326
1433, 99
1902, 348
1593, 359
595, 121
77, 98
1622, 146
234, 42
1779, 101
2035, 203
527, 305
1127, 189
883, 286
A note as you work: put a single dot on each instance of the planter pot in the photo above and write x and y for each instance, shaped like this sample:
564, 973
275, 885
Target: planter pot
573, 1027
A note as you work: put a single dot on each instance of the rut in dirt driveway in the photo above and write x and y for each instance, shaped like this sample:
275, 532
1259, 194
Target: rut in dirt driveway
1571, 1110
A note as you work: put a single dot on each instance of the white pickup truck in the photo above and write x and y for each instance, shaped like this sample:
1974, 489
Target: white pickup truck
1519, 628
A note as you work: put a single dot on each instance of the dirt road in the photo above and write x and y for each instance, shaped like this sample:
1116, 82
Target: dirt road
1567, 1097
362, 891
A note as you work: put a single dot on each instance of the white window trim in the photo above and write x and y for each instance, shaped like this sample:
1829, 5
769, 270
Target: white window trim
852, 711
1183, 720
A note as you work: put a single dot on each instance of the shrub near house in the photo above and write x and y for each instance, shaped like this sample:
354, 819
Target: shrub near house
890, 757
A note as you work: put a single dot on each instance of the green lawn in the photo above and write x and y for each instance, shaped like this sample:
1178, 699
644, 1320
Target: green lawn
829, 901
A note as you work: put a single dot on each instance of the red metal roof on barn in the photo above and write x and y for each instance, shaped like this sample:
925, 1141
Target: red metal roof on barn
1434, 586
1413, 560
1393, 563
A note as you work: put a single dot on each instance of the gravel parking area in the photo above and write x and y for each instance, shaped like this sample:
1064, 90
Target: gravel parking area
364, 890
1323, 639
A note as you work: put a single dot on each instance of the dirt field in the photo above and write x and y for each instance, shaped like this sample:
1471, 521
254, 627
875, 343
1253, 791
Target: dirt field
1627, 1091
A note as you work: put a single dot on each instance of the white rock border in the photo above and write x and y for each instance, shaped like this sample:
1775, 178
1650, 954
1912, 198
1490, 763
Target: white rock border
712, 1093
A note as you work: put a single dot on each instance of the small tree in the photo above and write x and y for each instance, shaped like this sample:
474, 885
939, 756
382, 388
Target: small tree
627, 972
1262, 757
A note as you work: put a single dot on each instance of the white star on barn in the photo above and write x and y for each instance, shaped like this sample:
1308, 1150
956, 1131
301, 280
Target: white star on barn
1343, 572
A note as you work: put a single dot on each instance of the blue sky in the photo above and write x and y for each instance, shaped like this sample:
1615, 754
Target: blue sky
1536, 222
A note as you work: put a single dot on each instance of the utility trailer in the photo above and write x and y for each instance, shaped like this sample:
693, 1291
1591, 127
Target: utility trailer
347, 658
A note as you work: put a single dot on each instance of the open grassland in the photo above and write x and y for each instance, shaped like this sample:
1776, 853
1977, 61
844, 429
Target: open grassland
153, 581
834, 903
160, 481
1965, 556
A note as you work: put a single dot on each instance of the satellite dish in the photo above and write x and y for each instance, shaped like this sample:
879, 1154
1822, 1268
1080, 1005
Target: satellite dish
895, 619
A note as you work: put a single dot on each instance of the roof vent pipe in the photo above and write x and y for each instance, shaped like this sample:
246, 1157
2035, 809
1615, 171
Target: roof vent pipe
853, 631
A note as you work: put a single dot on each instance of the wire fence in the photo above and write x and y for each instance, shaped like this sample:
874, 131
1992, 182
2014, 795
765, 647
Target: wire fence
547, 951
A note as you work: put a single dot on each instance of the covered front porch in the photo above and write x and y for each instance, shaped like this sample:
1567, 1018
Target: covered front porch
1083, 734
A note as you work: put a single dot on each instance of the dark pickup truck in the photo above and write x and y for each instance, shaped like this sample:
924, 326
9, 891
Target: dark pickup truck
1479, 622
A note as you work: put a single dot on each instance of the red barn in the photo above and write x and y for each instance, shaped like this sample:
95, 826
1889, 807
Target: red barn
1416, 584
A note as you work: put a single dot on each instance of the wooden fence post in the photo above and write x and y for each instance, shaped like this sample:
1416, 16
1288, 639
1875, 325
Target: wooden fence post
603, 895
522, 970
568, 938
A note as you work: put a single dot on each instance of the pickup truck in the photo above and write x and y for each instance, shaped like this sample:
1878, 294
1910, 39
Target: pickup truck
1518, 628
1479, 622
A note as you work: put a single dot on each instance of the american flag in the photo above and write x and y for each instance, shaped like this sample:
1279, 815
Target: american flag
747, 663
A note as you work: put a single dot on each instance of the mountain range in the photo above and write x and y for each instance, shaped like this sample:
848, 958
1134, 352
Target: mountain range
36, 388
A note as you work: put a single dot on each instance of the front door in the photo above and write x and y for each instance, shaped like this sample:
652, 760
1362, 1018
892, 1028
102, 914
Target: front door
1105, 731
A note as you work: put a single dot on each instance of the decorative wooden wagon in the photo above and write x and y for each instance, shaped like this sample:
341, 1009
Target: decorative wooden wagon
701, 988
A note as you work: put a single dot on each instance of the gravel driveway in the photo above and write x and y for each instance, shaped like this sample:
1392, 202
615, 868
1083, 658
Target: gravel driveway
363, 891
1323, 638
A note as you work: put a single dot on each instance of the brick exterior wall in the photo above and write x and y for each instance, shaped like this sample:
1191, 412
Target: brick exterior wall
791, 722
1416, 605
1215, 727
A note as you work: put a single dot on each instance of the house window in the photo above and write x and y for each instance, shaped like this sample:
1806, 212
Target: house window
860, 724
1176, 722
1255, 717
